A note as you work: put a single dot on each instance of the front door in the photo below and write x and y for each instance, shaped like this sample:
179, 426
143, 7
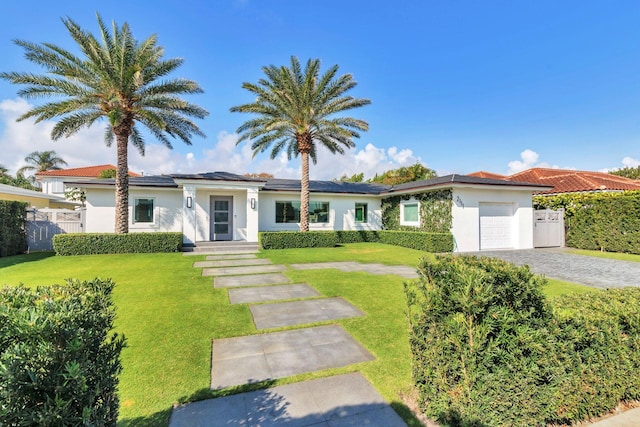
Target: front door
221, 218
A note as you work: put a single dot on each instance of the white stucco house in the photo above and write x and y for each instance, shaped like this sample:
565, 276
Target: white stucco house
484, 213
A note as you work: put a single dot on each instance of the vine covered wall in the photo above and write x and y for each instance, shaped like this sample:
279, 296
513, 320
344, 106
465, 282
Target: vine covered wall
435, 211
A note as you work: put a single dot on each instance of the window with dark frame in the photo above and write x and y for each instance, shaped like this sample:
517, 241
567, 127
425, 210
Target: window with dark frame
143, 210
289, 212
361, 212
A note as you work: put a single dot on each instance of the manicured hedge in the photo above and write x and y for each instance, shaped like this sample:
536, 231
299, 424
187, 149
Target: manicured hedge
430, 242
59, 360
108, 243
13, 228
488, 349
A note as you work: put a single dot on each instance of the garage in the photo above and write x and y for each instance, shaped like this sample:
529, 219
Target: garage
496, 226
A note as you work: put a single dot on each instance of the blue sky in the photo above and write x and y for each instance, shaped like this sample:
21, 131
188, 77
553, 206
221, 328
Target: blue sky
459, 86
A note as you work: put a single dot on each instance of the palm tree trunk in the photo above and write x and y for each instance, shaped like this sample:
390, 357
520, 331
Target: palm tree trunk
122, 184
304, 193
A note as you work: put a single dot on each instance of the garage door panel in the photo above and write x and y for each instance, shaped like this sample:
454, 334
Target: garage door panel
496, 225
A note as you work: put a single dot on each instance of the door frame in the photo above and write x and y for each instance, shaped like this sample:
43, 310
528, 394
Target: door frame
212, 234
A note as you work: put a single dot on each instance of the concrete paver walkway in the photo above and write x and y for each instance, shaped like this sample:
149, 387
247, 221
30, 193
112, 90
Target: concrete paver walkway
250, 280
233, 271
292, 313
351, 266
232, 263
231, 256
630, 418
271, 293
255, 358
334, 401
560, 264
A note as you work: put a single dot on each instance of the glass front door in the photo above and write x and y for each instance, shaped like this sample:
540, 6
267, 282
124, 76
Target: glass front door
221, 218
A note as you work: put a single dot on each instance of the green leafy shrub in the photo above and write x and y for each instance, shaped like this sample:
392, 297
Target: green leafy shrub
489, 350
435, 211
59, 362
13, 228
109, 243
430, 242
296, 239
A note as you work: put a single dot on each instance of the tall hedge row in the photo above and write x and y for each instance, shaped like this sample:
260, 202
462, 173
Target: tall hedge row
599, 221
109, 243
13, 228
489, 350
429, 242
59, 360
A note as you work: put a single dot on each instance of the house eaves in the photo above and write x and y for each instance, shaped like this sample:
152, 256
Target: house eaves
461, 181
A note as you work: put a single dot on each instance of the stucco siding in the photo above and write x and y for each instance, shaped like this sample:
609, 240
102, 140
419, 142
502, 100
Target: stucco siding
341, 212
466, 216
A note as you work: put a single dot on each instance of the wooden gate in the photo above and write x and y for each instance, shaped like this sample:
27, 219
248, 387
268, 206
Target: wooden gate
43, 224
548, 228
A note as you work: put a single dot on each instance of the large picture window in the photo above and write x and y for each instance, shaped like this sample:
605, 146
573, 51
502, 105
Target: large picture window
361, 212
290, 212
143, 210
410, 213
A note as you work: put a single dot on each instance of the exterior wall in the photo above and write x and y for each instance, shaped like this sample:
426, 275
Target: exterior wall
466, 216
341, 212
36, 202
101, 210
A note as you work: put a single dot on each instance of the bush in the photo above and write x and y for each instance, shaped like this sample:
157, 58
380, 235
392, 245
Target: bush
107, 243
430, 242
489, 350
296, 239
58, 362
13, 228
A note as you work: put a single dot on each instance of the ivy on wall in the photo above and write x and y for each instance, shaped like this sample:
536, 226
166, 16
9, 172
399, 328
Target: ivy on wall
435, 211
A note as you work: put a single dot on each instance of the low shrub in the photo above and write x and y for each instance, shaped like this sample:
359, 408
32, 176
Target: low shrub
13, 228
489, 350
296, 239
59, 361
430, 242
108, 243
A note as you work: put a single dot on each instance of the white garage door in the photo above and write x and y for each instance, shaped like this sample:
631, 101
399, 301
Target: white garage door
496, 226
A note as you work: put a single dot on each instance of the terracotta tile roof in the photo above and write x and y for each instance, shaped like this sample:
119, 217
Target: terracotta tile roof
573, 181
85, 172
484, 174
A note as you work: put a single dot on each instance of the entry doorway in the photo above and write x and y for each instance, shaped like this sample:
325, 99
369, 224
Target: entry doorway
221, 227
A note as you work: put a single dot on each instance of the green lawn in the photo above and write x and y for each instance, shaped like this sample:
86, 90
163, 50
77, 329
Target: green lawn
610, 255
170, 314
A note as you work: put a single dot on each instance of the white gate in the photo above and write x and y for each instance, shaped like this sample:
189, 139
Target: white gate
548, 228
43, 224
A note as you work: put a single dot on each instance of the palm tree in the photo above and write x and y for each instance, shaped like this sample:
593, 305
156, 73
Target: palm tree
40, 161
116, 78
296, 112
3, 170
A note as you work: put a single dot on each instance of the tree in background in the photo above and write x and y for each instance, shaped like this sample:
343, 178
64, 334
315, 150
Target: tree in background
3, 171
118, 79
296, 113
107, 173
356, 177
40, 161
261, 175
404, 174
627, 172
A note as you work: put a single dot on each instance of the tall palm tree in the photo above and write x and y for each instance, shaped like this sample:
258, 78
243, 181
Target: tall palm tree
116, 78
296, 112
40, 161
3, 170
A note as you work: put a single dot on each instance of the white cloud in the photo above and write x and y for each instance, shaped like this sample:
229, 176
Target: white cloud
17, 139
529, 159
630, 162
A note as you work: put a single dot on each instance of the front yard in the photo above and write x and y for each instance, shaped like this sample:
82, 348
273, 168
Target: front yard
170, 313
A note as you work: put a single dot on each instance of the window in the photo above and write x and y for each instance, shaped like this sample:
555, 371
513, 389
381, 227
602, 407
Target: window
143, 210
410, 213
290, 212
57, 187
361, 212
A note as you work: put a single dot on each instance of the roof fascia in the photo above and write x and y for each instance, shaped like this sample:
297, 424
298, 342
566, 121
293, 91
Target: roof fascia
530, 188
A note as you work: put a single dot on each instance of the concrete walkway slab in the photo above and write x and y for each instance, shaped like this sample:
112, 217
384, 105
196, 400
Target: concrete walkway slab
255, 358
250, 280
292, 313
271, 293
340, 400
222, 252
352, 266
238, 256
232, 263
629, 418
234, 271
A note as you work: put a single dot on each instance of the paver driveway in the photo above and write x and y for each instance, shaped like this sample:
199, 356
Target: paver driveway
563, 265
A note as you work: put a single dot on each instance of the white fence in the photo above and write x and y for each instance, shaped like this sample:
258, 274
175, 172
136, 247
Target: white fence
43, 224
548, 228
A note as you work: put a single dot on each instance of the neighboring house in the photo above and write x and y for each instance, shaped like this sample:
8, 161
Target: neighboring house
481, 213
53, 181
35, 199
568, 181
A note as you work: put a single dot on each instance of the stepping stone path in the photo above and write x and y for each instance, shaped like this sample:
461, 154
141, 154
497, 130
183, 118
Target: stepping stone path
338, 400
